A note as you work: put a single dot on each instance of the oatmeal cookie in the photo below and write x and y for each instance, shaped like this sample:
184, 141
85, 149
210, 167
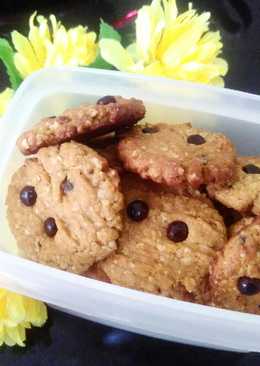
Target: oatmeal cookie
235, 278
167, 244
108, 114
64, 207
180, 156
244, 194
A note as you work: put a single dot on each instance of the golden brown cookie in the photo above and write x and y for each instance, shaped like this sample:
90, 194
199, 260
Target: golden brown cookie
235, 278
64, 207
167, 244
244, 194
108, 114
180, 156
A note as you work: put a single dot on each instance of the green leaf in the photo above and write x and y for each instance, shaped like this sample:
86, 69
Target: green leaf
107, 31
100, 63
7, 56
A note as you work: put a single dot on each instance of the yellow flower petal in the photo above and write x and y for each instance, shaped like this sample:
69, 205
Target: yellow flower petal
170, 10
193, 71
218, 81
184, 40
222, 66
36, 312
14, 336
149, 25
2, 333
114, 53
132, 50
27, 60
208, 48
154, 69
5, 98
18, 313
26, 325
52, 45
15, 308
38, 36
171, 45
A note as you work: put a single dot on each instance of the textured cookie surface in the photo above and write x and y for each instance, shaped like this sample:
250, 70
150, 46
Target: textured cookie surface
235, 278
244, 193
179, 156
64, 207
90, 120
167, 244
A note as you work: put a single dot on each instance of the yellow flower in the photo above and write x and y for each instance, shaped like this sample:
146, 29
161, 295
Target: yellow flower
52, 45
18, 313
5, 98
170, 45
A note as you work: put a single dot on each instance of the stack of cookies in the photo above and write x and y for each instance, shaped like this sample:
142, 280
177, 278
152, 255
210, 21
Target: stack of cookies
167, 209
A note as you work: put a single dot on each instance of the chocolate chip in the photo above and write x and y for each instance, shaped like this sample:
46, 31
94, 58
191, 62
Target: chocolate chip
106, 100
251, 169
137, 210
248, 286
177, 231
150, 129
50, 227
28, 196
66, 186
196, 140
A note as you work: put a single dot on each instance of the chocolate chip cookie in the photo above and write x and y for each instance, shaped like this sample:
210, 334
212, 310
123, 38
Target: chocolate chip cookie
64, 207
180, 156
244, 194
167, 244
235, 278
107, 115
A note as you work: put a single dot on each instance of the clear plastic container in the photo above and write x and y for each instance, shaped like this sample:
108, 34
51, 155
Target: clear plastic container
50, 92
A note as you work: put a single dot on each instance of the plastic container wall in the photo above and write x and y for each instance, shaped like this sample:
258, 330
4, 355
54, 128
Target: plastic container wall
51, 91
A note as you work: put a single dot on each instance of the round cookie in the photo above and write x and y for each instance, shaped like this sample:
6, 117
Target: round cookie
64, 207
180, 156
244, 194
108, 114
235, 278
167, 244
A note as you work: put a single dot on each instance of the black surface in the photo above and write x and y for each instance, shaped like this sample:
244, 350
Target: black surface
69, 341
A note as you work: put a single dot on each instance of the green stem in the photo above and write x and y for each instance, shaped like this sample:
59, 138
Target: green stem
7, 56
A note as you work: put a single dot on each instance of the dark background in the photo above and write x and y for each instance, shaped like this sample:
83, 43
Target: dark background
69, 341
